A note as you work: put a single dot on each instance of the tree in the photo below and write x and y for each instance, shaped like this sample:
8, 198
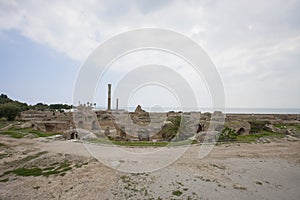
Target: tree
4, 99
9, 111
41, 106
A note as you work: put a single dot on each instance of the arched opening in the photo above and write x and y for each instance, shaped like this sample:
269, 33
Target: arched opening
74, 135
241, 131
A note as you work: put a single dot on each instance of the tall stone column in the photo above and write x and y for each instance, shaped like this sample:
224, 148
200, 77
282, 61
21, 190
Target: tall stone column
109, 98
117, 105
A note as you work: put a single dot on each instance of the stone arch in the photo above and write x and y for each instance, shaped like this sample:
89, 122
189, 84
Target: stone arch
74, 135
241, 131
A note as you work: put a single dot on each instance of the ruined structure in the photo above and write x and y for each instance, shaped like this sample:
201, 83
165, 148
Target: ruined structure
48, 121
109, 98
118, 124
117, 105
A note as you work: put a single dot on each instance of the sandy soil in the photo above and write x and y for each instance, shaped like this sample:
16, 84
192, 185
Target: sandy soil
230, 171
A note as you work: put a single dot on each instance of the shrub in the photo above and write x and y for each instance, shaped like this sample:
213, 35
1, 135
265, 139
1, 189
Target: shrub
258, 126
228, 134
177, 193
9, 111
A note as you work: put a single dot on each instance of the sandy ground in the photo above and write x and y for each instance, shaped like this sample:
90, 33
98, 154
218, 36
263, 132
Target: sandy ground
230, 171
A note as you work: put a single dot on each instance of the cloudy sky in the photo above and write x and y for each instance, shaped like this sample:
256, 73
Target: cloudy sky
255, 45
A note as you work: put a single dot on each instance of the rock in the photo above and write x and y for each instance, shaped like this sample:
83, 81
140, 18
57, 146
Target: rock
292, 139
258, 182
139, 116
30, 136
239, 187
139, 109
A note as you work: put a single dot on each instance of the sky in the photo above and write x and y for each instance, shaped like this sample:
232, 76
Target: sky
254, 45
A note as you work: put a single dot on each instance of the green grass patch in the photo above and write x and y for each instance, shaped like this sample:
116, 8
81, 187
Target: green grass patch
39, 133
60, 169
254, 137
13, 134
142, 143
20, 133
28, 171
36, 171
286, 126
294, 126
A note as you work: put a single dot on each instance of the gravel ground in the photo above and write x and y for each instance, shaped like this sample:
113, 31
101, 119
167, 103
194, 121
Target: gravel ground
230, 171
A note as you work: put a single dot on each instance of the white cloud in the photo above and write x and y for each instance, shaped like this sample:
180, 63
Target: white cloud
248, 41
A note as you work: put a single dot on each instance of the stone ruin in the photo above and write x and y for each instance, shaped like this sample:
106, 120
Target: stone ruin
85, 123
48, 121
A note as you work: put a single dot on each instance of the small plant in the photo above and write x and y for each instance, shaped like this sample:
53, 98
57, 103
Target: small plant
177, 193
228, 134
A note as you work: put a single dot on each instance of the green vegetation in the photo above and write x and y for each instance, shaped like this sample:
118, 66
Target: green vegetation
254, 137
20, 133
10, 109
177, 193
54, 168
142, 143
258, 126
36, 171
60, 169
13, 134
170, 131
59, 106
227, 134
288, 126
28, 171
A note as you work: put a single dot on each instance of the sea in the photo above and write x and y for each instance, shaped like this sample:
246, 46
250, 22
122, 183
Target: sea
226, 110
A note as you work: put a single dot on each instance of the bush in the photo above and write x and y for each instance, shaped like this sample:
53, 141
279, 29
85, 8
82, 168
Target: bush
9, 111
258, 126
228, 134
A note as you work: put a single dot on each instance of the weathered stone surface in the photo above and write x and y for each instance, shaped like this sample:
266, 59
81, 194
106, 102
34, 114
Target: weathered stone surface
240, 126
